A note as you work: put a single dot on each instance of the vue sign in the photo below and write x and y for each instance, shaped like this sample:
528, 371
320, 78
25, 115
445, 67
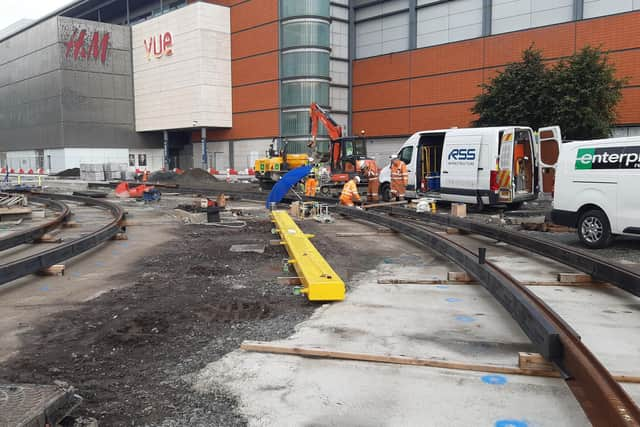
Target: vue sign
159, 46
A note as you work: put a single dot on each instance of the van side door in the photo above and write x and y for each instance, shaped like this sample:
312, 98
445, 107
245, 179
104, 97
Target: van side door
549, 139
408, 156
628, 184
460, 159
505, 166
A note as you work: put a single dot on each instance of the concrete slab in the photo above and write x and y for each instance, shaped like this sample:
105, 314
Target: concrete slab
294, 391
523, 265
457, 323
460, 323
606, 318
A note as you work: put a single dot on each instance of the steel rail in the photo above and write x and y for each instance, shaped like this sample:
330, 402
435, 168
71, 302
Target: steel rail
604, 401
32, 264
599, 268
34, 233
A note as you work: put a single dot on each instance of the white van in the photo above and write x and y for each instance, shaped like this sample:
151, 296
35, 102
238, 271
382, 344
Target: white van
484, 166
597, 189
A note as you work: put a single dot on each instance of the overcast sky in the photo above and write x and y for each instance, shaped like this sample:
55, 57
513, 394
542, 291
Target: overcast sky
15, 10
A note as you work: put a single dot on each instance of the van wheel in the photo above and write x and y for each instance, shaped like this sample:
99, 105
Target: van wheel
385, 192
594, 229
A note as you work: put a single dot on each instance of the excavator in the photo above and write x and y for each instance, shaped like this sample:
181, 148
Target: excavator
345, 158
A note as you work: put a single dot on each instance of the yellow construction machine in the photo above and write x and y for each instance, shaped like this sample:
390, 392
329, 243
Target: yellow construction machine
277, 162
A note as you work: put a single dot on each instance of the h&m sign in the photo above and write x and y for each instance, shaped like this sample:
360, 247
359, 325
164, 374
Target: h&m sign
159, 46
83, 45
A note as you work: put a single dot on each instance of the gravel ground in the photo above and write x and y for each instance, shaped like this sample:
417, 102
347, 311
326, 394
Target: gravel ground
127, 351
131, 352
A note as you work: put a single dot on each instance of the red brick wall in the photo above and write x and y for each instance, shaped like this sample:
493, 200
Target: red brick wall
434, 87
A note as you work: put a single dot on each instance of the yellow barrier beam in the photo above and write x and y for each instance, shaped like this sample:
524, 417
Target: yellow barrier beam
320, 282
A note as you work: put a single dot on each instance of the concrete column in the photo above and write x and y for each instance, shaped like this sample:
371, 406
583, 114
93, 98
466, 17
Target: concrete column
231, 156
203, 140
352, 57
413, 24
165, 145
578, 10
487, 6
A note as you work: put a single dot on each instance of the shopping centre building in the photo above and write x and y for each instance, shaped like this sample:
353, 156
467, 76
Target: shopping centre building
148, 81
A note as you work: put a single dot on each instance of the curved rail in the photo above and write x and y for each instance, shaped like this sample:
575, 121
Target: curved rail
31, 264
34, 233
599, 268
604, 401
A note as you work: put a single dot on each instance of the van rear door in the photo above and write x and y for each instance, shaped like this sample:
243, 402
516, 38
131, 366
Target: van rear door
548, 151
505, 167
460, 162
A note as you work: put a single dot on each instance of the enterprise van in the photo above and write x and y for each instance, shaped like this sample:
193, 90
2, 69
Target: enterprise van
483, 166
597, 189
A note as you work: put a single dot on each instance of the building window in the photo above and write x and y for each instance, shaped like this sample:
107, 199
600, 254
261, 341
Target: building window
448, 22
594, 8
513, 15
296, 123
292, 8
382, 35
381, 8
306, 32
301, 93
305, 63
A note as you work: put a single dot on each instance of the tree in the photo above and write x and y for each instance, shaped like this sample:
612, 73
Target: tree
579, 93
587, 93
517, 95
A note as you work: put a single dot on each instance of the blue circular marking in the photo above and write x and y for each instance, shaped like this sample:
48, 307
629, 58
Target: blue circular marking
494, 379
465, 319
453, 300
511, 423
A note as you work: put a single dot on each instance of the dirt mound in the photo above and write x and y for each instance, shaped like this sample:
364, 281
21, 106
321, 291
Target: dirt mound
69, 172
190, 178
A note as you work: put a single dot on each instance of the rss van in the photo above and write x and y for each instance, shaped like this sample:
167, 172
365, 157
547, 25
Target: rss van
483, 166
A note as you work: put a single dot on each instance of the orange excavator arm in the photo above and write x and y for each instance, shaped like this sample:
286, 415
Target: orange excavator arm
316, 114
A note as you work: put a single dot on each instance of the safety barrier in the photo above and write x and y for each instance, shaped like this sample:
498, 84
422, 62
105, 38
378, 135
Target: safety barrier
319, 281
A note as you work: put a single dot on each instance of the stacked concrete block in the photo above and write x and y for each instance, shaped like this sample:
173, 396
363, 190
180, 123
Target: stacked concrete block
92, 172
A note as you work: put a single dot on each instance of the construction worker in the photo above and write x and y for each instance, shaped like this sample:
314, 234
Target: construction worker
370, 171
399, 178
350, 193
311, 185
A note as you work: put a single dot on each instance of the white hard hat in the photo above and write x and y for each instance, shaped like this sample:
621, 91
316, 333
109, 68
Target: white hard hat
357, 178
393, 156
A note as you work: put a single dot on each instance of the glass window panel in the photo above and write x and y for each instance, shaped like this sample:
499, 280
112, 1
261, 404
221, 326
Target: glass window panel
448, 22
296, 123
305, 33
513, 15
305, 8
305, 64
303, 93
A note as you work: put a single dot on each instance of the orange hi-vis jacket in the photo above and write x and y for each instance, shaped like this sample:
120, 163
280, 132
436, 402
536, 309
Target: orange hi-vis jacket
349, 193
399, 177
310, 187
373, 186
